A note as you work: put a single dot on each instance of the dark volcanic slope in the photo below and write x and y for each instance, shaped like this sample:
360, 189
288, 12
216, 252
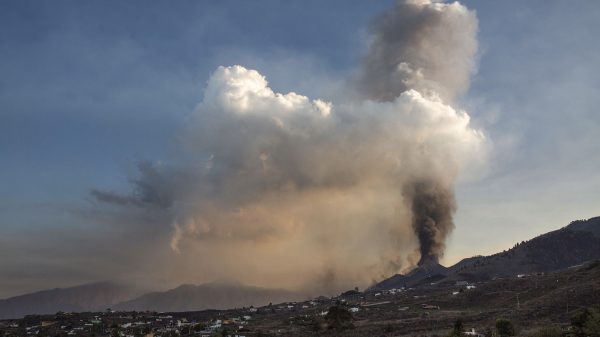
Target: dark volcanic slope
591, 225
426, 271
87, 297
207, 296
563, 248
572, 245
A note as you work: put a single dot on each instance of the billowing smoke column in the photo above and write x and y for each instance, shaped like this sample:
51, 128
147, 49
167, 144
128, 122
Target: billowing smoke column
281, 190
428, 47
432, 208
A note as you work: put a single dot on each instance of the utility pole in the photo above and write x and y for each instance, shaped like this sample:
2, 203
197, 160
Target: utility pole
568, 295
518, 303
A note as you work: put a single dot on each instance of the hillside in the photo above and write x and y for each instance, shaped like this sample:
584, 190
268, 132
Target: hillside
87, 297
571, 245
591, 225
207, 296
563, 248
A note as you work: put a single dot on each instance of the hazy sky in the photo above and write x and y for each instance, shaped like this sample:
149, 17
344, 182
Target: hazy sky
90, 89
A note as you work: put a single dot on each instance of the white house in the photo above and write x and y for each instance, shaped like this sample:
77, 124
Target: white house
473, 333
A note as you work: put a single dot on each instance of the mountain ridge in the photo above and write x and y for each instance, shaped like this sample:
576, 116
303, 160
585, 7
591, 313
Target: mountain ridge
86, 297
189, 297
554, 250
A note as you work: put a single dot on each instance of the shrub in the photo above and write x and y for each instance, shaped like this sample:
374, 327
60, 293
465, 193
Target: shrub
549, 331
587, 322
339, 318
459, 328
504, 328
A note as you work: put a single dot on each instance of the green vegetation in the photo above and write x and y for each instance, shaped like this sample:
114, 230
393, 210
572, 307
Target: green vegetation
339, 318
199, 327
549, 331
459, 328
592, 265
586, 323
504, 328
221, 333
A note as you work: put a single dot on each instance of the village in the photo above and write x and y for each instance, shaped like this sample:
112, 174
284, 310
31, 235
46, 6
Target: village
526, 302
279, 319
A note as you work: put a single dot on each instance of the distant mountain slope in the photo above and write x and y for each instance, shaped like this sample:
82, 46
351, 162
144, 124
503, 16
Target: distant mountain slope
87, 297
574, 244
207, 296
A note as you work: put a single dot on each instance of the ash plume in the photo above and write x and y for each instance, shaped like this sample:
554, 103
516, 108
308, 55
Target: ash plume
432, 207
279, 189
424, 45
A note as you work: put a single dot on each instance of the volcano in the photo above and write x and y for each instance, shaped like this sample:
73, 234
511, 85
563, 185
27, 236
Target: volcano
428, 270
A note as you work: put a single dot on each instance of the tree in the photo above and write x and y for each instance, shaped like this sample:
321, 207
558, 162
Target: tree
199, 327
459, 328
115, 332
587, 322
339, 318
224, 332
504, 328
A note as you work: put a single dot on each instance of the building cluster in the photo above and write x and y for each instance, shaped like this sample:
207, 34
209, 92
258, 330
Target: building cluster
128, 324
244, 322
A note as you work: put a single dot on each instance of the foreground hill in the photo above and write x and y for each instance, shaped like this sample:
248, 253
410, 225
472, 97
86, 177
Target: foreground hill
87, 297
207, 296
571, 245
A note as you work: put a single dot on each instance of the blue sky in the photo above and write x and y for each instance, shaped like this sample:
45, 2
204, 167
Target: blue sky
87, 89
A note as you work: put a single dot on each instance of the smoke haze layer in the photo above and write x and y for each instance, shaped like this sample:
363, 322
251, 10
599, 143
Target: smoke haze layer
282, 190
